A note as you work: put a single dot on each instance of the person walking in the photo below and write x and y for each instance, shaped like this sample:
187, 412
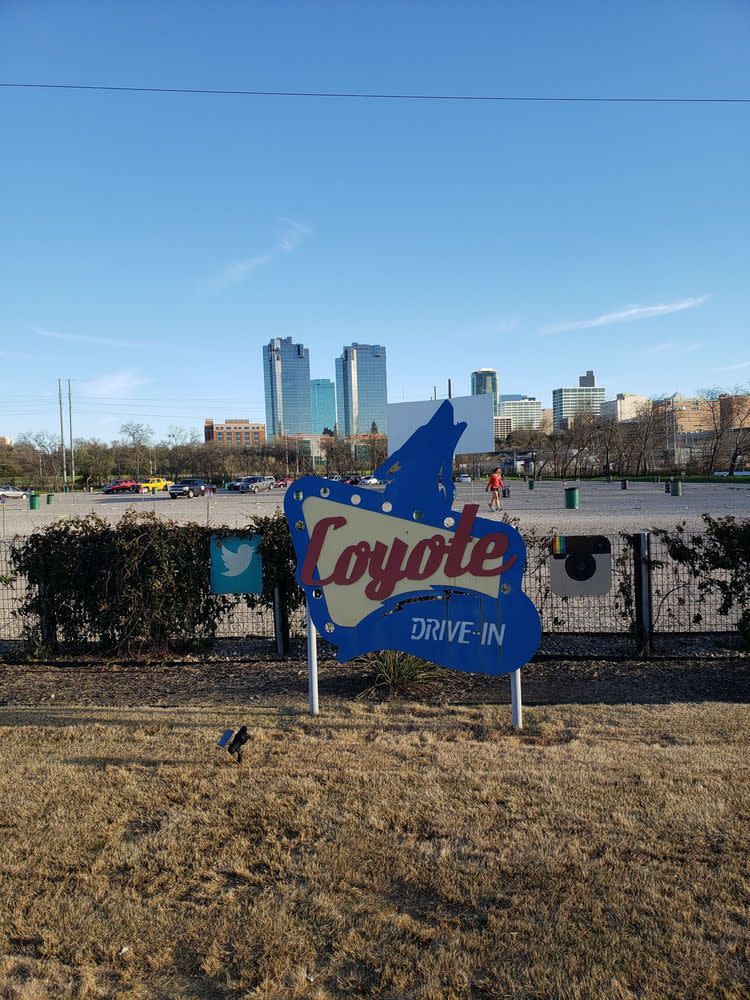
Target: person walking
493, 487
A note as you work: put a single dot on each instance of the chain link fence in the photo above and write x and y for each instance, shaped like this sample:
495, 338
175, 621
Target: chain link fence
681, 617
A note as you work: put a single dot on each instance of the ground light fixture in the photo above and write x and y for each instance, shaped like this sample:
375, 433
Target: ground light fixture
234, 743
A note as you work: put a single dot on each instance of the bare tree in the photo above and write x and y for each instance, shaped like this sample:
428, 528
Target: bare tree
338, 455
737, 410
139, 436
719, 420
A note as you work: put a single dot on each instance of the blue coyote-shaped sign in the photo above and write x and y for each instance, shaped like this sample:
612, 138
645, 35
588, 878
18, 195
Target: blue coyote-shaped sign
400, 569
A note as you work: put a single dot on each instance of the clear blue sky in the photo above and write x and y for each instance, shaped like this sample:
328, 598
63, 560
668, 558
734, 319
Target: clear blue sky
152, 243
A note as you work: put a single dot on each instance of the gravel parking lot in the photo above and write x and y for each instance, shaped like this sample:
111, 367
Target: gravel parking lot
604, 507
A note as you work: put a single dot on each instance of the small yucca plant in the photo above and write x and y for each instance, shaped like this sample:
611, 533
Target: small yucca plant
400, 673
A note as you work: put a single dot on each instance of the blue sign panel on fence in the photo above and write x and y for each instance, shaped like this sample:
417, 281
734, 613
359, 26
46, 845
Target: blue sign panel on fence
236, 565
399, 569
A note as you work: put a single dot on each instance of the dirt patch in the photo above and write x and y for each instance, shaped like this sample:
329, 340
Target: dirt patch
275, 683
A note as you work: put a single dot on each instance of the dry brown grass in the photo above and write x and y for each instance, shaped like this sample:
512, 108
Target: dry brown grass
384, 850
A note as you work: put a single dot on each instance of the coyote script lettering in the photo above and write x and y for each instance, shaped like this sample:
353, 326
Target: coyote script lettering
387, 565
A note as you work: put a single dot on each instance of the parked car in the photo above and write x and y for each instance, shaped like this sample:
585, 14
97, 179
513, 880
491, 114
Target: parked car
369, 481
239, 485
464, 478
352, 481
188, 488
284, 483
9, 492
122, 486
254, 484
335, 479
157, 483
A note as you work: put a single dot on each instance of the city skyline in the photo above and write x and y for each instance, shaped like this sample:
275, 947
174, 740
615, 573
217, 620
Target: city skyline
525, 409
534, 238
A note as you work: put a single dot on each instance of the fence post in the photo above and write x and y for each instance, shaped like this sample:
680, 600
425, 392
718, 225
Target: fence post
47, 621
642, 593
281, 621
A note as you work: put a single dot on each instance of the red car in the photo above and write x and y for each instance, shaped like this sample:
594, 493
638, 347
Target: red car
283, 483
123, 486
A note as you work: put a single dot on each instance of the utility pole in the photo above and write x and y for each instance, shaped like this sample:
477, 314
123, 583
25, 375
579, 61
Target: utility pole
70, 432
62, 433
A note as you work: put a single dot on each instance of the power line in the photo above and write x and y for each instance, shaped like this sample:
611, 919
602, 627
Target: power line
366, 96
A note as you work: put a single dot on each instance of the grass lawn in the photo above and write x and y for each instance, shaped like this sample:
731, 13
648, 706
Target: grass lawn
396, 850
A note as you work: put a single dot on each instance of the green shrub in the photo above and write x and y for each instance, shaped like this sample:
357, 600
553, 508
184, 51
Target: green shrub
719, 561
400, 673
138, 585
279, 562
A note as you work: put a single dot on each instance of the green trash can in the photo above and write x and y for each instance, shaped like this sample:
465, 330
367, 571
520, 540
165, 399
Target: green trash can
531, 484
676, 488
153, 491
572, 497
50, 497
33, 502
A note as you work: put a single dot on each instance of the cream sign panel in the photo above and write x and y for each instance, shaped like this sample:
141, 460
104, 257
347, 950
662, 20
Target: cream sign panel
363, 557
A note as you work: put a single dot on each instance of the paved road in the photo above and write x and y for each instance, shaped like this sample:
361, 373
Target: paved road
604, 507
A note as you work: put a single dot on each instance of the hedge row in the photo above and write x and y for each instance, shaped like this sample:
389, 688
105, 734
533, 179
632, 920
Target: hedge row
140, 584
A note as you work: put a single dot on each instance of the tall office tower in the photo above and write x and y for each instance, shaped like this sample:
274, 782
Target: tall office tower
361, 390
286, 380
586, 397
323, 400
485, 382
524, 412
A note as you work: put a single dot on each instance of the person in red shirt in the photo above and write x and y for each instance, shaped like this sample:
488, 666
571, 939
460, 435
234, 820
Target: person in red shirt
494, 485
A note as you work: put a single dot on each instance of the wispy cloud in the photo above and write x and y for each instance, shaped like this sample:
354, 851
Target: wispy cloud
291, 235
626, 315
734, 368
675, 347
100, 341
113, 386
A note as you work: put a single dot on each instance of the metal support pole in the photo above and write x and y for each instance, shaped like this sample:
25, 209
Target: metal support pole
516, 706
70, 433
277, 627
62, 433
642, 592
312, 665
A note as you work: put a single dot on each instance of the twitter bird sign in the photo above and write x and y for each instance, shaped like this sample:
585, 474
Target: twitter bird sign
236, 565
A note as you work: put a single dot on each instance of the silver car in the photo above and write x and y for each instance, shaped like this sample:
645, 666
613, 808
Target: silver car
254, 484
9, 492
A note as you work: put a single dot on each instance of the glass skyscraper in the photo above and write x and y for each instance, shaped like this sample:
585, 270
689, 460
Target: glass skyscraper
323, 399
286, 380
485, 382
361, 390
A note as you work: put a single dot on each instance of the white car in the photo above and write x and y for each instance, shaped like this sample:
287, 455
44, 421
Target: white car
9, 492
464, 479
369, 481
